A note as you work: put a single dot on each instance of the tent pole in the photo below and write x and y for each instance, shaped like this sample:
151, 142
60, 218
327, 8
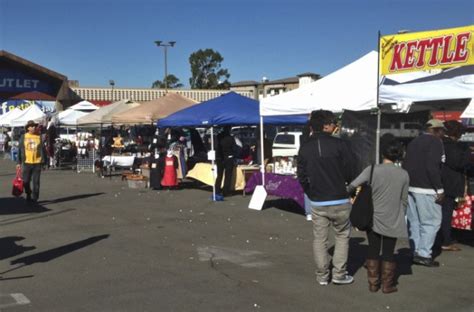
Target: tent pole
379, 111
262, 165
213, 168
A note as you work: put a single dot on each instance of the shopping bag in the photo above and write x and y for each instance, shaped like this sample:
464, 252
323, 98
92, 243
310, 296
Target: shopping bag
462, 216
362, 212
17, 189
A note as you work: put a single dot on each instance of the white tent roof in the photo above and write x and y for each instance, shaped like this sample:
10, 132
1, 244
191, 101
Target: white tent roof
104, 114
31, 113
84, 106
451, 84
6, 118
352, 87
469, 111
69, 117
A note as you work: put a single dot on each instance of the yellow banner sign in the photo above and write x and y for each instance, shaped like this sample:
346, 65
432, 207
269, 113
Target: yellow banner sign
427, 50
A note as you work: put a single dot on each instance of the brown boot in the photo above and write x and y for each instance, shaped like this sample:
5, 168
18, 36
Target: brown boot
388, 277
373, 274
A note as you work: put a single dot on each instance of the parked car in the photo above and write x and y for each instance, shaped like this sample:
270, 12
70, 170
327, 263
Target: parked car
286, 144
402, 129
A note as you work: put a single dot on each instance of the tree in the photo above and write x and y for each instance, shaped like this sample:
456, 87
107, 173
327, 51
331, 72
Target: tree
172, 81
206, 70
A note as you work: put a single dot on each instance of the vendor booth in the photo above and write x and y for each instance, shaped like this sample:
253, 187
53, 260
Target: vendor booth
228, 109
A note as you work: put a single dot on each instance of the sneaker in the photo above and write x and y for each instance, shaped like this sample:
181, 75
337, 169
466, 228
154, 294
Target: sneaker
323, 283
309, 218
428, 262
217, 197
346, 279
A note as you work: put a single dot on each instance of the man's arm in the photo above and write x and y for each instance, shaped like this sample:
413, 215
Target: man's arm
301, 172
433, 164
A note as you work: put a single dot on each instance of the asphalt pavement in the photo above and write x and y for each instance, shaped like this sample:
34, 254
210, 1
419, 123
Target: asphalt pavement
93, 244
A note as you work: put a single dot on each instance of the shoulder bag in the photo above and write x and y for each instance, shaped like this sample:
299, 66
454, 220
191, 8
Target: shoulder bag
362, 212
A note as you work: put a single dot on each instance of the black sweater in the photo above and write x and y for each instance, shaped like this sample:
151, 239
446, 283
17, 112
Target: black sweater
324, 167
425, 155
453, 172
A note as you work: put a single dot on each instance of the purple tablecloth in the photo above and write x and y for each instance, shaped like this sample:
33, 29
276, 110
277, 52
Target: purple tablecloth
278, 185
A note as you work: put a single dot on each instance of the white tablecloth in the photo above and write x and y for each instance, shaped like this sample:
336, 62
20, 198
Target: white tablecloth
122, 161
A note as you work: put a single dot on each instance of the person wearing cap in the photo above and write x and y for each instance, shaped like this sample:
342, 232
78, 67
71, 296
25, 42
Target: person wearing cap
31, 157
423, 162
454, 179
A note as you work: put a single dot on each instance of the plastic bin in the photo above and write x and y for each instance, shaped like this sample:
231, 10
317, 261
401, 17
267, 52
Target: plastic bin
137, 184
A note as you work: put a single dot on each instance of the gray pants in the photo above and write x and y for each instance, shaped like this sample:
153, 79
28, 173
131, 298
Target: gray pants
32, 172
338, 217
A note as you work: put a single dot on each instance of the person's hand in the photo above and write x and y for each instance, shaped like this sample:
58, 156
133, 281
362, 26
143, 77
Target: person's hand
439, 198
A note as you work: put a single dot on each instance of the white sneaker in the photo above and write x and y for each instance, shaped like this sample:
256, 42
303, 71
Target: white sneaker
323, 283
309, 218
347, 279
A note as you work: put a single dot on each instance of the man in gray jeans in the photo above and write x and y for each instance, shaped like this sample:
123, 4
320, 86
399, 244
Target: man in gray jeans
324, 168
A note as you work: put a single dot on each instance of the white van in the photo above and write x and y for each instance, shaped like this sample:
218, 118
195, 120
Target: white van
286, 144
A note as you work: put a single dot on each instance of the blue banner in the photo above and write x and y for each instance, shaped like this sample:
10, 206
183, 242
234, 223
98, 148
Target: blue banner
15, 81
48, 107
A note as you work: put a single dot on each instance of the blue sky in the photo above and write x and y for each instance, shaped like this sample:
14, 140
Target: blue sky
94, 41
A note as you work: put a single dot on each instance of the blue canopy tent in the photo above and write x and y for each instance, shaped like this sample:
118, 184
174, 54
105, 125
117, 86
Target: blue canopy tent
230, 109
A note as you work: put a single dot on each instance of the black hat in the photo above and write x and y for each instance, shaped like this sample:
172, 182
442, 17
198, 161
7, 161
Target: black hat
30, 123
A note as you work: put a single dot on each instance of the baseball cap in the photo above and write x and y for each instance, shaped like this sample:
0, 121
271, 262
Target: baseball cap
435, 123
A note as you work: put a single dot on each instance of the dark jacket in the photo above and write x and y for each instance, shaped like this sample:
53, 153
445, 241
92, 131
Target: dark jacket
225, 146
324, 167
21, 150
425, 155
453, 171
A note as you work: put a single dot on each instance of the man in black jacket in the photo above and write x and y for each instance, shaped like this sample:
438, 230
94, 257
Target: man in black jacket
225, 163
453, 176
324, 168
424, 158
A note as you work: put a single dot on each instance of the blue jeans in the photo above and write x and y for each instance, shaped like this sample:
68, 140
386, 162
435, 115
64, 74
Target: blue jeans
307, 204
424, 220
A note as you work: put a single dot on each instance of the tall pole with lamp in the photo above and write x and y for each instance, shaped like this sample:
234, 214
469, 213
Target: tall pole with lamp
165, 46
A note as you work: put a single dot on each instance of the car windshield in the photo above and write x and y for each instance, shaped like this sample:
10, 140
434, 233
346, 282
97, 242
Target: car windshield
285, 139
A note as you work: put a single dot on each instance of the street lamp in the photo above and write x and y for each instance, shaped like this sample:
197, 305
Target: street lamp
112, 84
165, 45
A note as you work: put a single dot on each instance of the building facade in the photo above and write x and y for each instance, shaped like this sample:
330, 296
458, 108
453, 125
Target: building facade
103, 96
259, 90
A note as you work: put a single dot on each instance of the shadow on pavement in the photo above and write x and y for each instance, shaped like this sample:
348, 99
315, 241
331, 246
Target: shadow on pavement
285, 204
357, 254
13, 205
9, 248
48, 255
68, 198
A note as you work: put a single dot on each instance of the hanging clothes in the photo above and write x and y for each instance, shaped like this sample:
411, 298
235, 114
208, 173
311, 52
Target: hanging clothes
170, 177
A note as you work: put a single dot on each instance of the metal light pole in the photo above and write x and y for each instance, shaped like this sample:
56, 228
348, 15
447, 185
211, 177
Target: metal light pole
165, 46
112, 84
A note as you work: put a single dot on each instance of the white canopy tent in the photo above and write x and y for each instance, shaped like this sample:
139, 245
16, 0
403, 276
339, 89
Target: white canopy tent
104, 114
84, 106
33, 112
450, 84
69, 117
352, 87
469, 111
6, 118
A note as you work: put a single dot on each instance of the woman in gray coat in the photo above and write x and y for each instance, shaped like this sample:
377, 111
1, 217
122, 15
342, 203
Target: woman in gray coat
390, 198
